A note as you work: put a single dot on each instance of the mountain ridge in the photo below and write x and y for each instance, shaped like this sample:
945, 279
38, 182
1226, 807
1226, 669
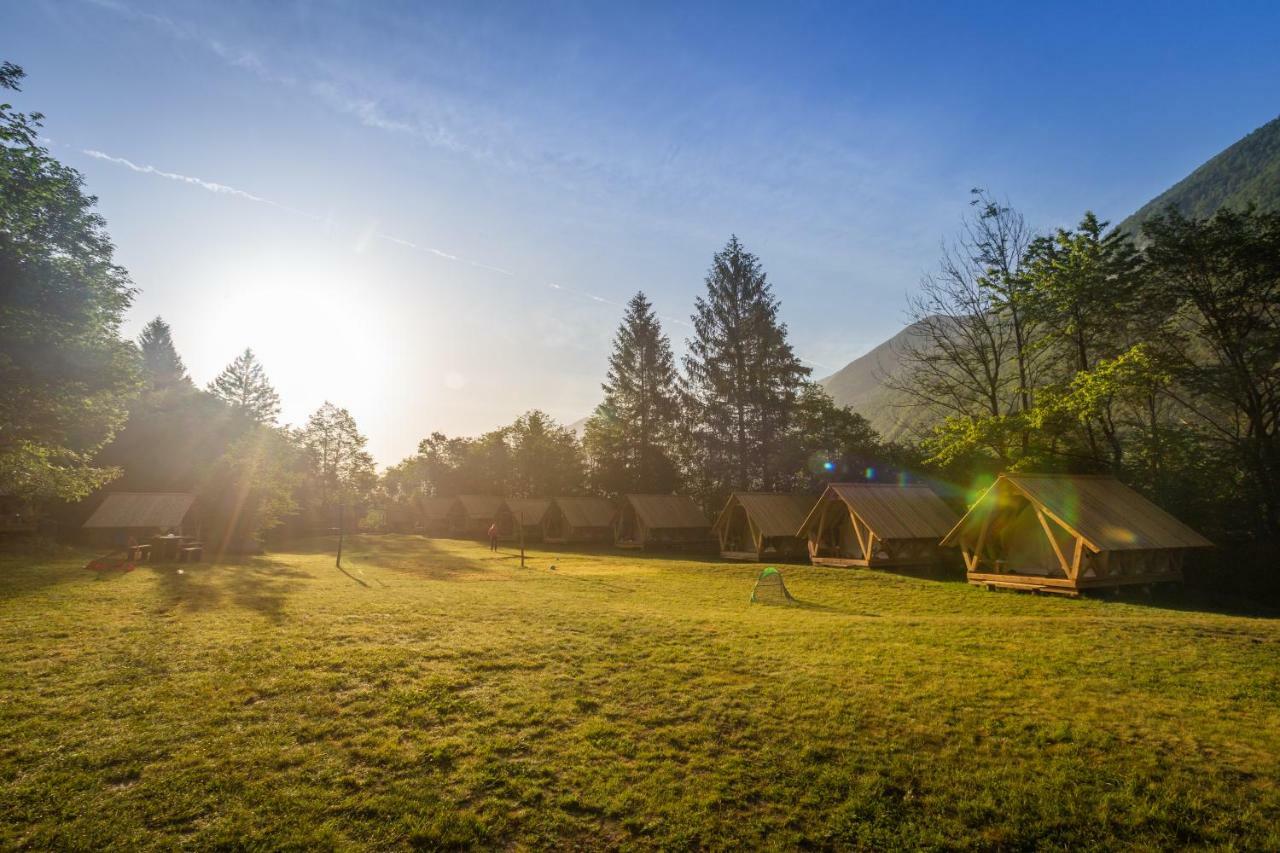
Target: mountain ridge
1245, 172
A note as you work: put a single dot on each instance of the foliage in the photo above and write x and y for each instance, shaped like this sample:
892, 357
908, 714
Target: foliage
545, 457
65, 375
1222, 277
532, 457
973, 359
629, 438
742, 378
160, 359
250, 489
243, 385
340, 472
831, 443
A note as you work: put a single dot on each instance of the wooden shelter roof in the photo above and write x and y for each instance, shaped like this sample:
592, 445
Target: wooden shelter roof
667, 511
479, 506
1100, 509
433, 509
892, 511
142, 509
528, 510
772, 514
586, 512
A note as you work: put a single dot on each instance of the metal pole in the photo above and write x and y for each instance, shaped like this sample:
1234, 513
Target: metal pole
522, 539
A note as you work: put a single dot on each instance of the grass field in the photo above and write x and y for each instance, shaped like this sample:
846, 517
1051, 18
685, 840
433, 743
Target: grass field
442, 696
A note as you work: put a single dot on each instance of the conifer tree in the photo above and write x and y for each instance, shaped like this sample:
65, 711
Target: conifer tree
244, 386
160, 357
629, 435
741, 375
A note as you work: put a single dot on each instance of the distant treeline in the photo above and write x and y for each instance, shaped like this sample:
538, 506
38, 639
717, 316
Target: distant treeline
1078, 350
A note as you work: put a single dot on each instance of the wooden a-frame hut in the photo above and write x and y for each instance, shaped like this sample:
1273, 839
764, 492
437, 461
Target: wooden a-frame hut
1069, 532
140, 515
528, 512
471, 516
571, 520
661, 521
432, 515
876, 524
762, 525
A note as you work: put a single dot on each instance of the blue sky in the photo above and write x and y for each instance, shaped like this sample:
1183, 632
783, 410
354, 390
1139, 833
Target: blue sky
432, 214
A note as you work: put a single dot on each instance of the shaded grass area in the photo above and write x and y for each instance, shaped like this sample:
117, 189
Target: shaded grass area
452, 699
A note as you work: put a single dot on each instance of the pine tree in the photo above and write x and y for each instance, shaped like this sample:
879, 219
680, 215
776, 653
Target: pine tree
629, 435
741, 375
244, 386
160, 357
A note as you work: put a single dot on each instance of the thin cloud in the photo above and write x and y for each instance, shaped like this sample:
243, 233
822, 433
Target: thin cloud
211, 186
224, 189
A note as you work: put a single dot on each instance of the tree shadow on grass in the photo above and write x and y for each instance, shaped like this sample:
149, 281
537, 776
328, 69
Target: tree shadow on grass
417, 556
1187, 600
262, 585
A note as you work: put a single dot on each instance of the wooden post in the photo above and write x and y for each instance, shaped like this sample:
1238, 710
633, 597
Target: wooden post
340, 508
522, 539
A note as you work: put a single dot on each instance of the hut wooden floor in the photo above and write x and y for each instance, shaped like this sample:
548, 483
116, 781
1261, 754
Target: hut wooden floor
1065, 586
851, 562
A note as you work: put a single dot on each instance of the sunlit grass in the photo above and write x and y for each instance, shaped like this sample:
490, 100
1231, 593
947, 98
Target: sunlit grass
438, 695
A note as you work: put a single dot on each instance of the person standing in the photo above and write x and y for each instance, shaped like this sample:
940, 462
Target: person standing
493, 536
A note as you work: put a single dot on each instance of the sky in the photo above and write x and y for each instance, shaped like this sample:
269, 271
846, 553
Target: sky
432, 214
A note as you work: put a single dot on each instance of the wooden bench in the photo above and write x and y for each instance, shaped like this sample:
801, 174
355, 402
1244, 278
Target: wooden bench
138, 553
191, 553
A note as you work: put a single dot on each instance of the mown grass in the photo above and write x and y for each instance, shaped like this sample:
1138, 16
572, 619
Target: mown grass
438, 696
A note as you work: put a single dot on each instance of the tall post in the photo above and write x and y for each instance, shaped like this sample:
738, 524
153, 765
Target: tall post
340, 529
522, 539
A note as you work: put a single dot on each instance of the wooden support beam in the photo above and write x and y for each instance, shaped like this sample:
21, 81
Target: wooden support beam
982, 537
1053, 540
1075, 560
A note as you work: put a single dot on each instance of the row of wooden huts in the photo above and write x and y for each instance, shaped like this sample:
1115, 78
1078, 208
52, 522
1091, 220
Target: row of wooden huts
1051, 532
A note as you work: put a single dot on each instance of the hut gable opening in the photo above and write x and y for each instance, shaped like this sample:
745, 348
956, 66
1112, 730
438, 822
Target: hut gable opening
1069, 532
873, 524
760, 525
738, 535
579, 519
663, 521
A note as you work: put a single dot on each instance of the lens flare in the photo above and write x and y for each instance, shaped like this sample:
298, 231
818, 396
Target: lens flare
828, 465
871, 473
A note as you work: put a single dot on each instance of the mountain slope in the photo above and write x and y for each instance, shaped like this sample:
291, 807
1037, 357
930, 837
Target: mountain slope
860, 384
1246, 173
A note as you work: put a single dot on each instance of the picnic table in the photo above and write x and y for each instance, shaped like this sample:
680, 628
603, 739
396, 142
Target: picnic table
168, 546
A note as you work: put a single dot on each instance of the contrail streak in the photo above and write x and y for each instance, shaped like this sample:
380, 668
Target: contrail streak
223, 189
211, 186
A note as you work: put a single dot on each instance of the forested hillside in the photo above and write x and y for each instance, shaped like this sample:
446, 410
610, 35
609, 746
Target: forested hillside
1246, 173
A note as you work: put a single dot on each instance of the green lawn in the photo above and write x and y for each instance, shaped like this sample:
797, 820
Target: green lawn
441, 696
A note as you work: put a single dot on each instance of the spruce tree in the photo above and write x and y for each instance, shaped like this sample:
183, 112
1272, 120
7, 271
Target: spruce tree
160, 357
629, 436
244, 386
741, 375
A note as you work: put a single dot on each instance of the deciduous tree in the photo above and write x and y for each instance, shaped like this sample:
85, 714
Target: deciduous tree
66, 377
